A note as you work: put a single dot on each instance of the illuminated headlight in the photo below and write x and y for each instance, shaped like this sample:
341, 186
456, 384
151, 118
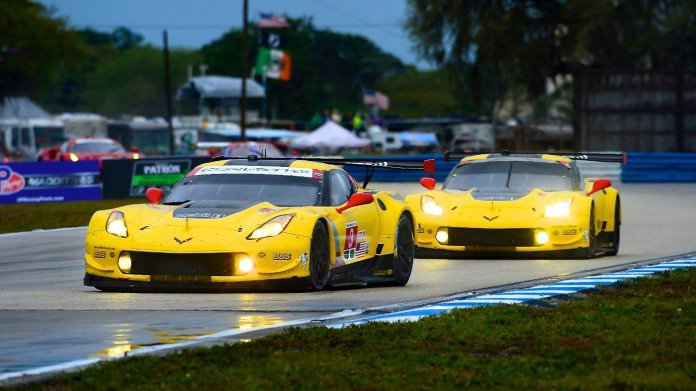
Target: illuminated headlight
541, 237
245, 265
125, 263
559, 209
136, 156
272, 227
73, 157
116, 224
442, 235
429, 206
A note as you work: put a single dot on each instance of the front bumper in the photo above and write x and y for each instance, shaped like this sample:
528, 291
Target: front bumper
191, 285
203, 263
501, 237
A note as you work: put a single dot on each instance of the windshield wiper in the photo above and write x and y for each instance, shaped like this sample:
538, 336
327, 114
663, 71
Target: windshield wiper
176, 202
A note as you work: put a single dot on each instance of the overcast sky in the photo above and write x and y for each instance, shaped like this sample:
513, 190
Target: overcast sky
192, 23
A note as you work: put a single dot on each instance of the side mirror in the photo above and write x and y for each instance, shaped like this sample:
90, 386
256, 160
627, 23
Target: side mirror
154, 195
357, 199
428, 183
134, 149
599, 184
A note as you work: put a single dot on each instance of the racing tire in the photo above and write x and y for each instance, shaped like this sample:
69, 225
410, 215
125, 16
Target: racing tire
319, 258
404, 251
614, 249
589, 251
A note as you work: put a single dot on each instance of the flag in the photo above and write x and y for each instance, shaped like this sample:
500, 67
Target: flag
271, 38
269, 21
273, 63
376, 98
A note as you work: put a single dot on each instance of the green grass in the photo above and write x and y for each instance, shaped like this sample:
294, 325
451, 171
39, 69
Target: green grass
27, 217
640, 334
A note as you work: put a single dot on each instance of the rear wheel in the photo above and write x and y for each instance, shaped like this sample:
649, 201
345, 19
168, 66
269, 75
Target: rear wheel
614, 249
319, 255
404, 250
589, 251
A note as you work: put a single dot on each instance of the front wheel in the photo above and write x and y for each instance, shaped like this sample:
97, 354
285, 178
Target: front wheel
404, 250
319, 255
589, 251
614, 249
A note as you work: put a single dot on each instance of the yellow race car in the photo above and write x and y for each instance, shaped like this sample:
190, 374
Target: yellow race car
518, 203
256, 222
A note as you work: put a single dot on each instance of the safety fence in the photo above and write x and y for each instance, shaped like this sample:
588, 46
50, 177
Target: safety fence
32, 182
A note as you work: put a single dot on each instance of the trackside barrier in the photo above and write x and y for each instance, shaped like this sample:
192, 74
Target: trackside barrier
659, 167
36, 182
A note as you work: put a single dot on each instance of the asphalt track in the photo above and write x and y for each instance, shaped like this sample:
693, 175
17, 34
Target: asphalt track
47, 316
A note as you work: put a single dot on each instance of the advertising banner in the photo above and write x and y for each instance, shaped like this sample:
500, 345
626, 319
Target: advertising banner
31, 182
159, 173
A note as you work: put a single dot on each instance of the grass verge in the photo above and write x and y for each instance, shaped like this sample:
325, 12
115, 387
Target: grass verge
639, 334
27, 217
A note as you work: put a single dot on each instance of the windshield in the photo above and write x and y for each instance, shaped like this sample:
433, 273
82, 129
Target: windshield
97, 147
152, 141
245, 189
515, 175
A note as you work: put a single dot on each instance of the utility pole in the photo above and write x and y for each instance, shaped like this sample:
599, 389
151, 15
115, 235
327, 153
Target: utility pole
168, 92
245, 61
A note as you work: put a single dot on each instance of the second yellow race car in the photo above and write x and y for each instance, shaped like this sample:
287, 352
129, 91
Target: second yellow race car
519, 203
256, 222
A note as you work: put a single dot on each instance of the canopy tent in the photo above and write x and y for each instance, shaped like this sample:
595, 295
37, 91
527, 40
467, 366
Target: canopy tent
330, 136
218, 87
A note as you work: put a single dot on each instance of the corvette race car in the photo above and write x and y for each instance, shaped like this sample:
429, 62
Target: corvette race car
518, 203
256, 222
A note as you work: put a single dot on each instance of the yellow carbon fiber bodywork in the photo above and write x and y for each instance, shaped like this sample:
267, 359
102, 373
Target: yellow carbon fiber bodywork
461, 210
152, 228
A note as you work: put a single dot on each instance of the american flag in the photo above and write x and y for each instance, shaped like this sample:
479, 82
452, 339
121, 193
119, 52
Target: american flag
361, 251
272, 21
372, 97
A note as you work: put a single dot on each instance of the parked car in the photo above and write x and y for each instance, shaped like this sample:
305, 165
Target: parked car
88, 149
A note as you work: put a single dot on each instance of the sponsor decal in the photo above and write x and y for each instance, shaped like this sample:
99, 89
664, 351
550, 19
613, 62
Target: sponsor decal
303, 260
256, 170
351, 240
282, 256
361, 234
199, 215
570, 232
496, 198
10, 182
162, 174
267, 210
383, 272
420, 229
317, 174
99, 254
362, 249
181, 241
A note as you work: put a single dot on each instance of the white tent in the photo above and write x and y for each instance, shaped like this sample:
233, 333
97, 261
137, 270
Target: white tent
330, 136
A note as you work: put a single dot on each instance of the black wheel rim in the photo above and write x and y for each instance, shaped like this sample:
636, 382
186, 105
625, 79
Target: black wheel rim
404, 251
318, 261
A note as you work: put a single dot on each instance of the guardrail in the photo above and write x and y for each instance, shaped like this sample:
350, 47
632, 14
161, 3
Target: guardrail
659, 167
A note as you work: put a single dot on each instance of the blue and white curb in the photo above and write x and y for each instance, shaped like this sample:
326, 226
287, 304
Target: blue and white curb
525, 295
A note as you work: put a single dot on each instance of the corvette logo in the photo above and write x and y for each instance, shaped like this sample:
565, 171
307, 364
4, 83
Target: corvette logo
490, 218
181, 241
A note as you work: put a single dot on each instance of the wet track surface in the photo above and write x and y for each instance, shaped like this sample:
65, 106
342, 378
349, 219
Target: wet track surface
47, 316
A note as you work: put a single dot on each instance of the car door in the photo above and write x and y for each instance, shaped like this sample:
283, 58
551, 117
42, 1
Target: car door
358, 227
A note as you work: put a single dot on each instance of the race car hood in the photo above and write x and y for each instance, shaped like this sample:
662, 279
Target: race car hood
148, 219
465, 205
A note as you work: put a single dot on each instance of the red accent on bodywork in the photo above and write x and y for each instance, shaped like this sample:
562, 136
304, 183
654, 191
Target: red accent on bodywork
357, 200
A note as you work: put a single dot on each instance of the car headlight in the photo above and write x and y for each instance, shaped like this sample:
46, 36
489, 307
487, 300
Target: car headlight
559, 209
272, 227
429, 206
116, 224
74, 157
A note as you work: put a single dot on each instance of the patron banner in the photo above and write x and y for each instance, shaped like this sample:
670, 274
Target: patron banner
31, 182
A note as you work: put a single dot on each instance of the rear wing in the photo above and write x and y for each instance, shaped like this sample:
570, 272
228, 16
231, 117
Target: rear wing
370, 165
605, 157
